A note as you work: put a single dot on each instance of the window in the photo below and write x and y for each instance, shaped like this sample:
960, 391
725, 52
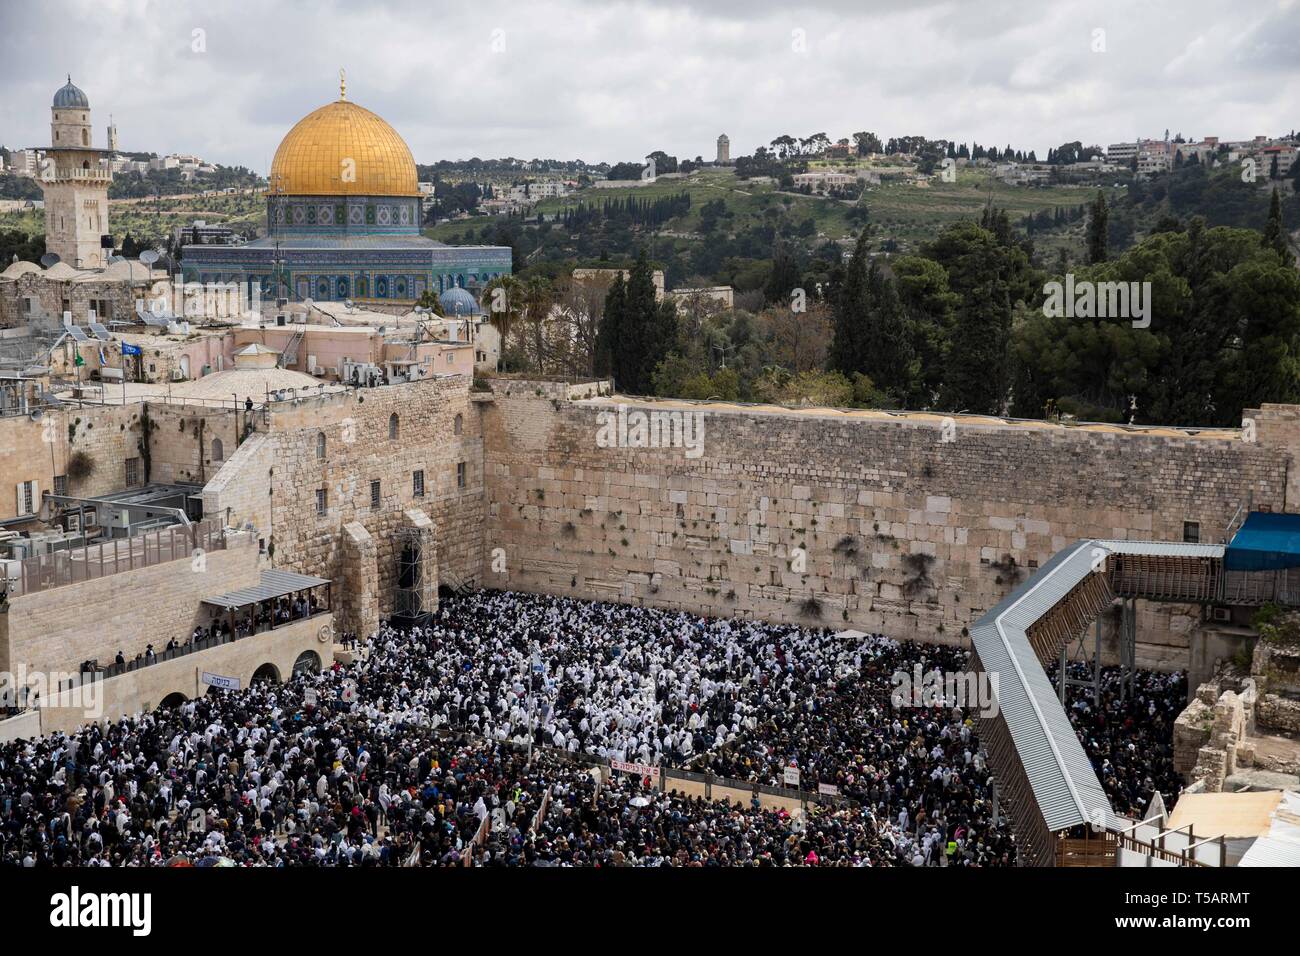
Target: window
1192, 532
218, 450
458, 424
321, 501
320, 446
460, 474
417, 483
27, 499
60, 484
374, 493
392, 427
451, 357
132, 472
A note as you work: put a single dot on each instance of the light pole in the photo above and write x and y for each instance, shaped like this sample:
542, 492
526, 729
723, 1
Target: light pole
535, 668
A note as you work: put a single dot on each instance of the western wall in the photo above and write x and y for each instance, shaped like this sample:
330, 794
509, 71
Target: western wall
866, 520
904, 528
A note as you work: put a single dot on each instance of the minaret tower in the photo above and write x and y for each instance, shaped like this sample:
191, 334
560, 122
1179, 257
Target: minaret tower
75, 178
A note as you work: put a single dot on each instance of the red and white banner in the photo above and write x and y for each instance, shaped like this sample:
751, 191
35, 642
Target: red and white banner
640, 769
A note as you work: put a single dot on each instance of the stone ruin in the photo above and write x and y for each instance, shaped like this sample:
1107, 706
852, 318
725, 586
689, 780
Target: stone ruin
1217, 733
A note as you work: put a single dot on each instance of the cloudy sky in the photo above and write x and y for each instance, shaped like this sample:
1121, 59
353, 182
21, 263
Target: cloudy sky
601, 80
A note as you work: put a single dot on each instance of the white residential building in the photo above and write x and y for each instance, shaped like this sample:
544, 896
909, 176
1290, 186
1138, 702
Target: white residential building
824, 181
26, 162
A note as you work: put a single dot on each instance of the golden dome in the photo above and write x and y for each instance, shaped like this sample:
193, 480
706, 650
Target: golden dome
343, 150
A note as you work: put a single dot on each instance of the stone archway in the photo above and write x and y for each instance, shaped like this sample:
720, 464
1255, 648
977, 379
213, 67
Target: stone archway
308, 662
174, 699
267, 672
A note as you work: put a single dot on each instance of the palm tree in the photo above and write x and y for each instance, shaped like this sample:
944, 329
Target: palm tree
503, 300
538, 297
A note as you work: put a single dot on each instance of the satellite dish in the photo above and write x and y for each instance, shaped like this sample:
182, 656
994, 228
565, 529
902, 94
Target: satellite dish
37, 414
307, 303
49, 259
349, 304
149, 257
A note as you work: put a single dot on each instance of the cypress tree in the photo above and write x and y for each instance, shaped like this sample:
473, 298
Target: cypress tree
1274, 234
611, 328
1098, 220
849, 345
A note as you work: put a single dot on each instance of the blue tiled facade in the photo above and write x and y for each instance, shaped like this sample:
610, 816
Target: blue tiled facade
364, 248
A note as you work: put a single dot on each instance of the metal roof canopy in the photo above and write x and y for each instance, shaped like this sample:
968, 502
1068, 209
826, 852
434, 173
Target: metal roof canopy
1062, 778
1270, 851
274, 584
1265, 542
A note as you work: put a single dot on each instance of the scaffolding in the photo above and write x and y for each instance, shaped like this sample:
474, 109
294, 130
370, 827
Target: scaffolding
1126, 637
408, 598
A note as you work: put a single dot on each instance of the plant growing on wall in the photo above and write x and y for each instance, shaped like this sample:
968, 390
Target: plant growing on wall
80, 466
918, 569
147, 425
847, 546
1009, 572
811, 607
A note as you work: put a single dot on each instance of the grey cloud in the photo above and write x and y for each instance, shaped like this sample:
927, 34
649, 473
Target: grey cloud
613, 81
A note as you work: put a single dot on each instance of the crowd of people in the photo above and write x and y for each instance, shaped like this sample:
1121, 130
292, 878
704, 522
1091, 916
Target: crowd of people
1129, 738
470, 742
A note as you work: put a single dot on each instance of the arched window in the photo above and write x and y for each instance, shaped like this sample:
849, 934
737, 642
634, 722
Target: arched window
218, 450
308, 662
320, 446
392, 427
458, 424
85, 137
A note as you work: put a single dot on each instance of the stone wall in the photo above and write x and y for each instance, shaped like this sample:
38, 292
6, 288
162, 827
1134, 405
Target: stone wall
40, 450
900, 531
146, 687
182, 441
59, 628
283, 466
37, 294
239, 494
1276, 665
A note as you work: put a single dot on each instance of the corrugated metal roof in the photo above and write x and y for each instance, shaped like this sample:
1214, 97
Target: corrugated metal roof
1270, 851
1175, 549
1063, 780
274, 584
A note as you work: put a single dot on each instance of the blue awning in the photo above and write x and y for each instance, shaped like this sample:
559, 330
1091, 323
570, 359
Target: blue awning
1265, 542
